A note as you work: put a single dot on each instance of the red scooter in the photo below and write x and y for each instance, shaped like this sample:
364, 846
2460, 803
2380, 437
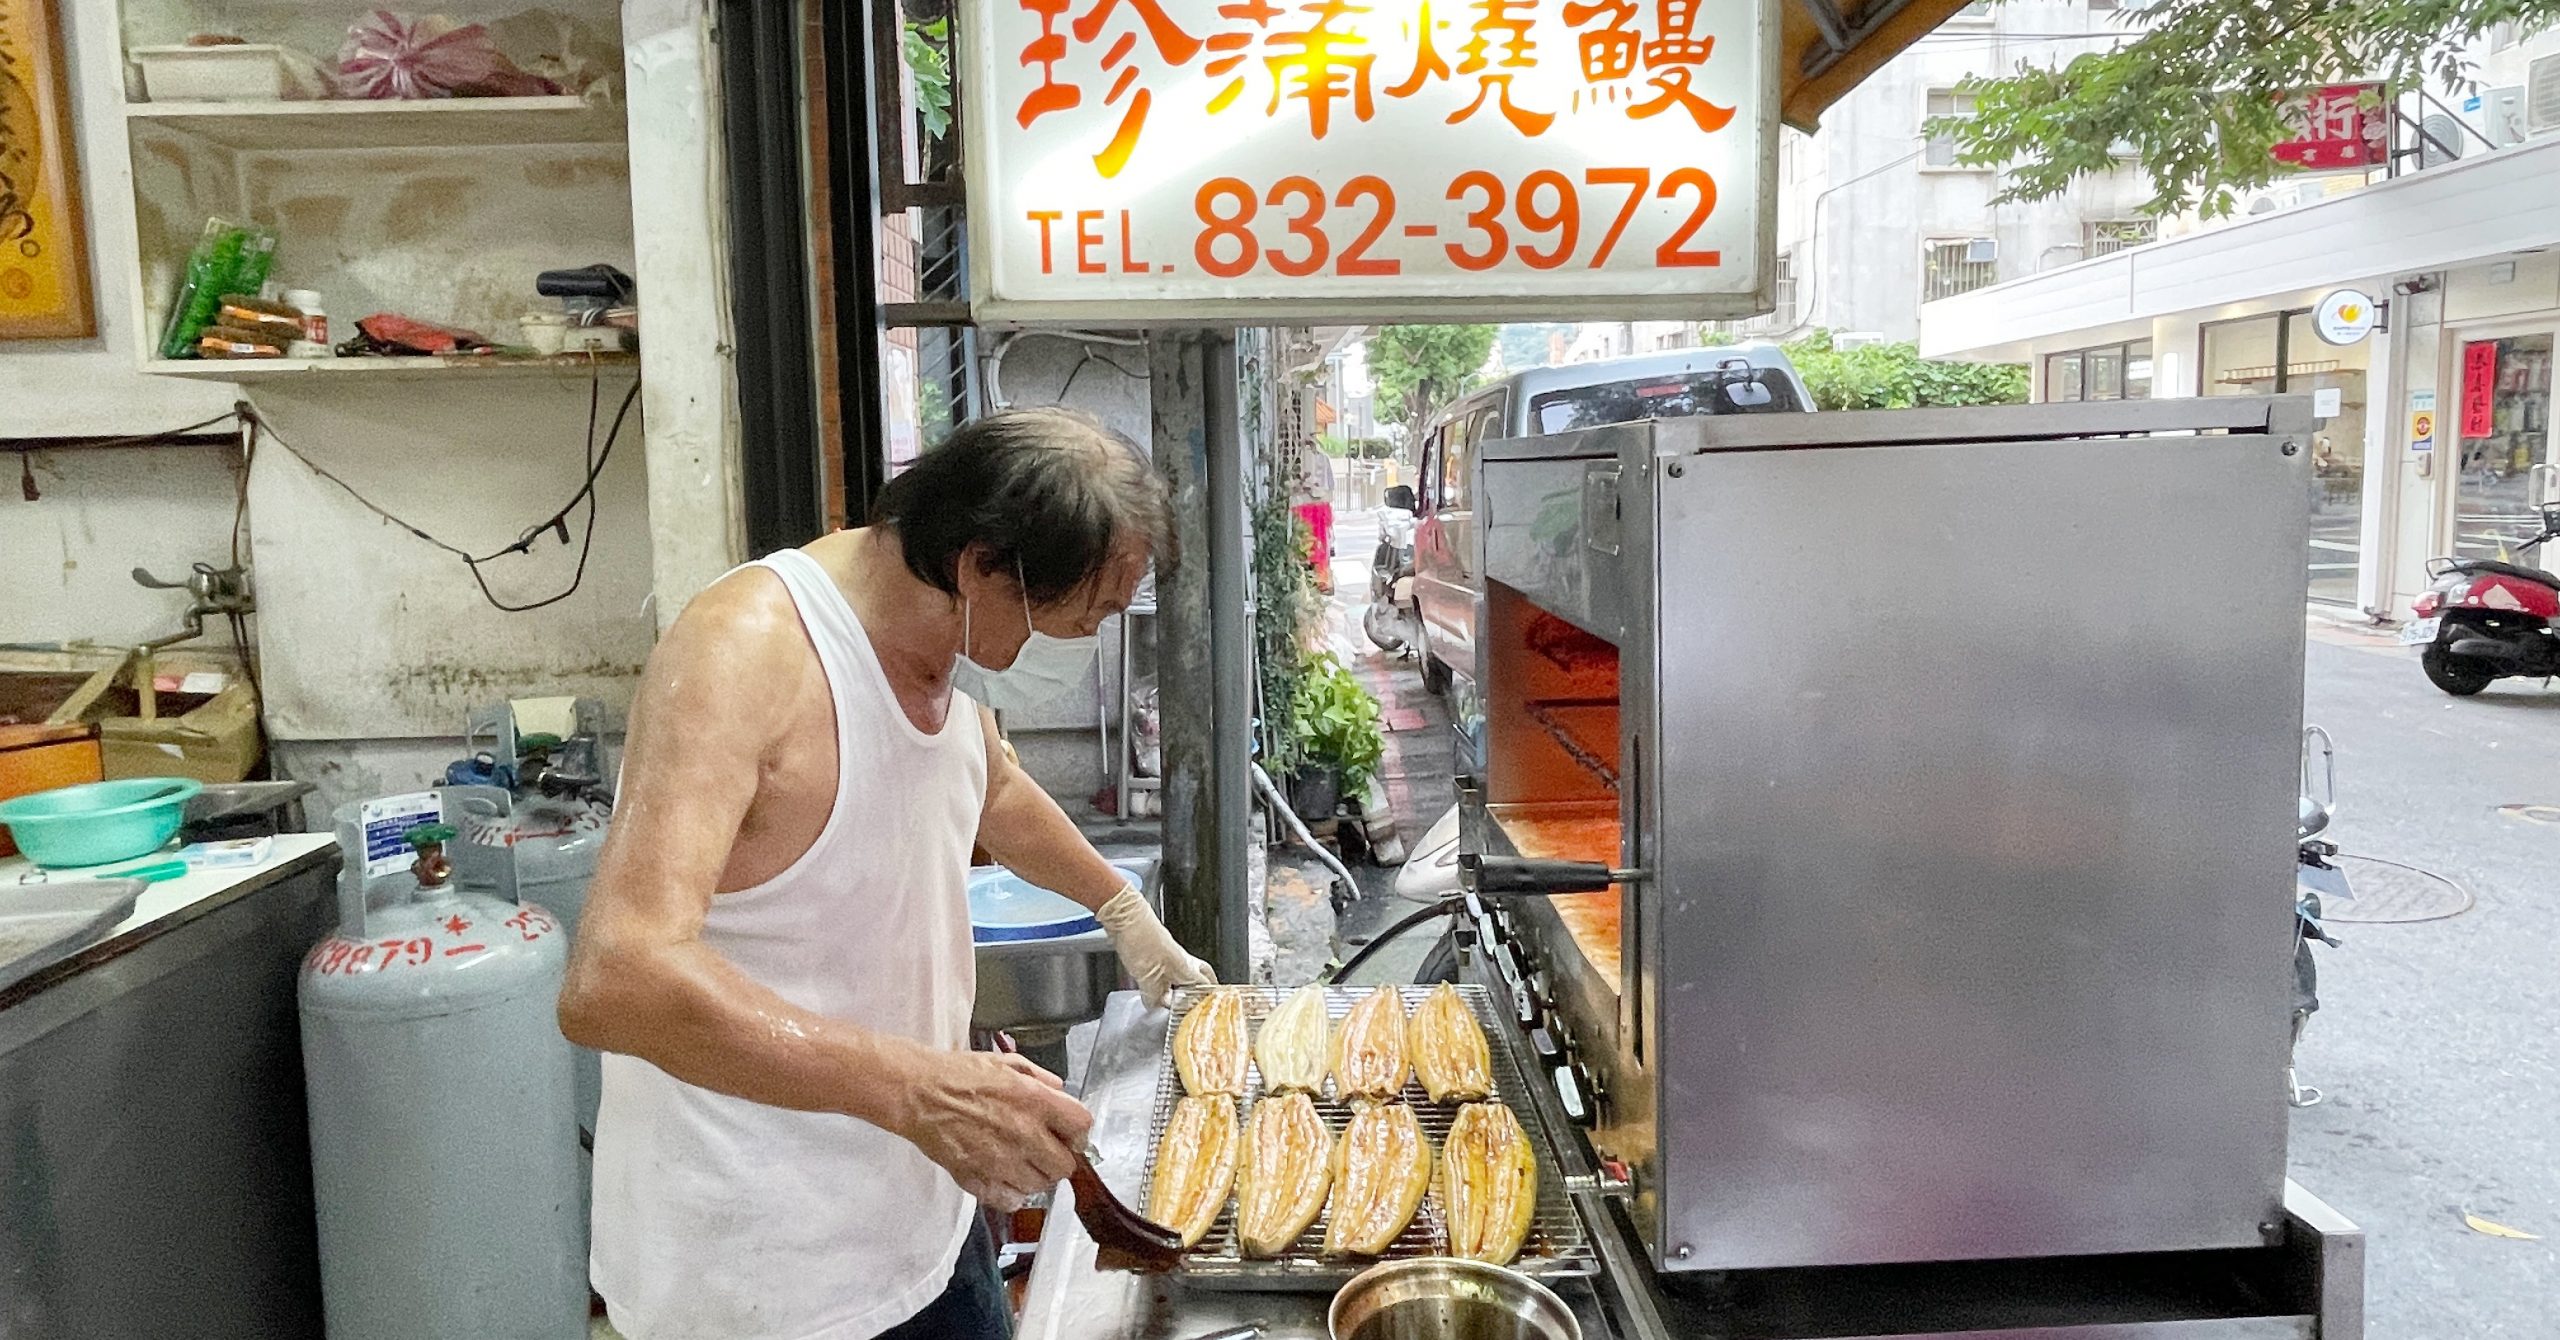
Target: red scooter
2484, 619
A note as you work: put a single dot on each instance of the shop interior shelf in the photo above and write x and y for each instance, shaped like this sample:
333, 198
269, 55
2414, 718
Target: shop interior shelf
566, 367
365, 124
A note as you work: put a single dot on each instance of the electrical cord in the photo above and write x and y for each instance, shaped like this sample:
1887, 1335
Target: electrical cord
557, 523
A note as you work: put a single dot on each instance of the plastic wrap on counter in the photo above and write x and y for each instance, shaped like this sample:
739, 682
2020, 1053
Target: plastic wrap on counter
227, 258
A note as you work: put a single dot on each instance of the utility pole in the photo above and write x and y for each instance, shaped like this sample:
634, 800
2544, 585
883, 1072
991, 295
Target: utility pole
1204, 676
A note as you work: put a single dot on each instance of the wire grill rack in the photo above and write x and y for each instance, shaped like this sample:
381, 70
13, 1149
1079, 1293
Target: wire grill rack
1557, 1244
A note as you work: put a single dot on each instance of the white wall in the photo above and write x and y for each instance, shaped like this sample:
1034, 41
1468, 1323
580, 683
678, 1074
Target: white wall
372, 643
1857, 249
64, 557
680, 237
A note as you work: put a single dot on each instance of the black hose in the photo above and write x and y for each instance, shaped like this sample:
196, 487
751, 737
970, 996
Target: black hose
1441, 908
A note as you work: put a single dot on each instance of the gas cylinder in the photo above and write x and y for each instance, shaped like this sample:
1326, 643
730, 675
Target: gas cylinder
530, 847
444, 1136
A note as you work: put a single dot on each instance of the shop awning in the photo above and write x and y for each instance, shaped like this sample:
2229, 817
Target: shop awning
1827, 46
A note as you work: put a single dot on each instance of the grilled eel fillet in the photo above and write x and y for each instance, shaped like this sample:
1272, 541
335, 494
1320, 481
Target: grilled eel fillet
1488, 1183
1209, 1044
1194, 1166
1368, 1048
1380, 1168
1288, 1167
1448, 1048
1291, 1047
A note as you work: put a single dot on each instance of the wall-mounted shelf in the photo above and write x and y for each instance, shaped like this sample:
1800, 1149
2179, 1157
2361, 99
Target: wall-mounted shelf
562, 366
445, 123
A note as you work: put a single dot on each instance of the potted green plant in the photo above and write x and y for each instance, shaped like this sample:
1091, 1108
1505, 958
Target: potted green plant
1341, 735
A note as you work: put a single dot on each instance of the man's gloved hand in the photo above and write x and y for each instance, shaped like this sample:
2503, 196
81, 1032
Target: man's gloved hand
1147, 949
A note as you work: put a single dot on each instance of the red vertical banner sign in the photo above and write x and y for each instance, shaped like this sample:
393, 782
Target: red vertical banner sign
2479, 388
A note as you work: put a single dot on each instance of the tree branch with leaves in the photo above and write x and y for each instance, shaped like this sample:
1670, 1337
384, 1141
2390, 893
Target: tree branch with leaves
1418, 370
2198, 97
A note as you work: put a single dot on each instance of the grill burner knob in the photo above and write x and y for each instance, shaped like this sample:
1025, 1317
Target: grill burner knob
1573, 1093
1526, 1007
1543, 1043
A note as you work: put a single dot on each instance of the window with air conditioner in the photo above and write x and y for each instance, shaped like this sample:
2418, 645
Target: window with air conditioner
1782, 286
2542, 96
1941, 152
2105, 237
1953, 265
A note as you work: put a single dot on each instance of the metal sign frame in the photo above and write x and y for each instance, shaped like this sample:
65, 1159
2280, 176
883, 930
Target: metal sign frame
977, 122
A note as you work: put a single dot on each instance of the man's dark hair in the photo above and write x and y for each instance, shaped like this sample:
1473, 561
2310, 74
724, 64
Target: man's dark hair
1049, 488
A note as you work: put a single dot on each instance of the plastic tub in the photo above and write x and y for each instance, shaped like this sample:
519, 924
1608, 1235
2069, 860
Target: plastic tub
238, 72
98, 822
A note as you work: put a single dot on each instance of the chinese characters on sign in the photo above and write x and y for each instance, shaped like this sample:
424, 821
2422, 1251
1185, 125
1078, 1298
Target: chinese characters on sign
1365, 158
2336, 126
2480, 388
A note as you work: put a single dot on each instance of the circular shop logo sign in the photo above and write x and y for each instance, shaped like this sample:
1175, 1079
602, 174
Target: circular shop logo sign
2346, 316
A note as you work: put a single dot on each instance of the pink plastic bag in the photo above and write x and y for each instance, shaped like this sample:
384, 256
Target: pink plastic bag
389, 56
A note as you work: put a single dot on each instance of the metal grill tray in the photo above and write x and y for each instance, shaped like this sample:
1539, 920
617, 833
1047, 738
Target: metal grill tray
1556, 1246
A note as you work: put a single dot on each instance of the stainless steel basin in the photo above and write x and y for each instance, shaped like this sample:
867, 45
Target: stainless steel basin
1044, 983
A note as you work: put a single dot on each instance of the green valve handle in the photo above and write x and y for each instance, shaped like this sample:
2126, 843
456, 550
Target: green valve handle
429, 835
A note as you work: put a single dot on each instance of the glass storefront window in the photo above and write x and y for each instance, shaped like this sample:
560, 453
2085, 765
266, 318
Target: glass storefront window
2105, 372
2062, 376
2325, 372
2490, 511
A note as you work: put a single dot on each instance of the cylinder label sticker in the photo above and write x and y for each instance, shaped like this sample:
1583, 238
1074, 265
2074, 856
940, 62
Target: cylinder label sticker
387, 822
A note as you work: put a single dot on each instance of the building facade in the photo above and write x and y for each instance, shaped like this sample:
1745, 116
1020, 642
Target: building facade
1875, 217
2431, 424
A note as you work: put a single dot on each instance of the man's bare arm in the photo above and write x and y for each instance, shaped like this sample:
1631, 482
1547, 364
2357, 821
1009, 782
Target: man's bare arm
642, 982
1023, 827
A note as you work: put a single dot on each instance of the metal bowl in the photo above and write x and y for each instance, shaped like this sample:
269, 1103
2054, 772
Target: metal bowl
1444, 1298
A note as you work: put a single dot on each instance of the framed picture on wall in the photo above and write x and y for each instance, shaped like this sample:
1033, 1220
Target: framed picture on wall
44, 266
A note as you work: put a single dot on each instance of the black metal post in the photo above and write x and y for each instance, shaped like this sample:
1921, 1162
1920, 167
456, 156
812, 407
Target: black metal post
857, 106
779, 439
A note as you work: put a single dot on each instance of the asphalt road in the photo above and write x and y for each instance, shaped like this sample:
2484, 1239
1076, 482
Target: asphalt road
2436, 1041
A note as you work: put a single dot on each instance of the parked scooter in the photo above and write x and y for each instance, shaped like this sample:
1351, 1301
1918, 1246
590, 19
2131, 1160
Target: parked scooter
2484, 619
1391, 617
2314, 876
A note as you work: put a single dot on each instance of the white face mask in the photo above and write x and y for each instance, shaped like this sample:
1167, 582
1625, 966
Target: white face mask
1045, 667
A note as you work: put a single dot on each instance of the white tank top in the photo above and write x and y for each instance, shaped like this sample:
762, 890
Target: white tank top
721, 1219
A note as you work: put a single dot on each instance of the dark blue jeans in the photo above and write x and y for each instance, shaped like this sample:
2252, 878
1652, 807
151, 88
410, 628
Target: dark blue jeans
973, 1307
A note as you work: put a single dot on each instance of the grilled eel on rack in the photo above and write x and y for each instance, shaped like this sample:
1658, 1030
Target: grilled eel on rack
1448, 1048
1290, 1049
1368, 1049
1195, 1166
1488, 1183
1381, 1167
1209, 1044
1288, 1167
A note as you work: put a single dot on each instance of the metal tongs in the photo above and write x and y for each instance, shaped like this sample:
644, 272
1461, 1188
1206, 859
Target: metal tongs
1123, 1239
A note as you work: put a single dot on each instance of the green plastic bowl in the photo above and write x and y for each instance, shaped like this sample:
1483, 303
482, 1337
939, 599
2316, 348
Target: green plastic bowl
98, 822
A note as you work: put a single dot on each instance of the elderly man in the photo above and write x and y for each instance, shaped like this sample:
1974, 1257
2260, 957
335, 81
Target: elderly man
775, 953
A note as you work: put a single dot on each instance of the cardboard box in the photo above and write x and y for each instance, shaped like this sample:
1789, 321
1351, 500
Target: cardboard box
41, 758
165, 714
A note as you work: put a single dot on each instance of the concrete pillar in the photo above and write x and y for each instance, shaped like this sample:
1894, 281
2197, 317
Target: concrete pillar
1204, 673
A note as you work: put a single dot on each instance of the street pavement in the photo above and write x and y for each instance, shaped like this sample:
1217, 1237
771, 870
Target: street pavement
2435, 1043
2435, 1040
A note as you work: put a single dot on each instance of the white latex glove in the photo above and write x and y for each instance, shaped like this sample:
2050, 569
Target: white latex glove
1154, 960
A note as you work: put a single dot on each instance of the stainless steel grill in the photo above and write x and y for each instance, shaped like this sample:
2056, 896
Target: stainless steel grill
1556, 1246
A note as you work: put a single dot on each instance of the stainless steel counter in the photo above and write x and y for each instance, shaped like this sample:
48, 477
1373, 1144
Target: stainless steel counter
1069, 1300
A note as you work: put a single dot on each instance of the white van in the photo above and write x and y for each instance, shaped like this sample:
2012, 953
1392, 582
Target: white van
1743, 379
